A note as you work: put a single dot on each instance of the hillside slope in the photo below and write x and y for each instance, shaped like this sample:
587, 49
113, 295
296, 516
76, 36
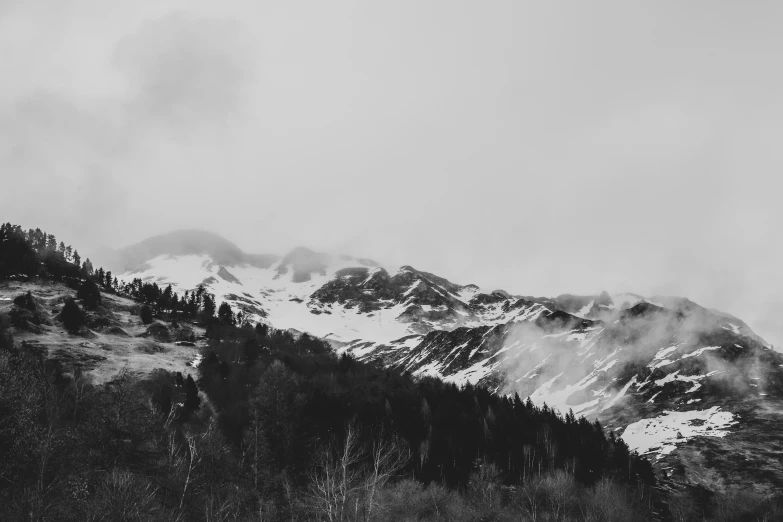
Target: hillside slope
113, 340
669, 375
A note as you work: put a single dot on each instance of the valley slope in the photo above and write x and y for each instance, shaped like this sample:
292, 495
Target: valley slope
676, 380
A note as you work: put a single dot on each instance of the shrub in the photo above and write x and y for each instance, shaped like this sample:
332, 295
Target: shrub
6, 341
25, 301
72, 316
740, 504
146, 314
410, 500
89, 294
185, 333
125, 496
609, 502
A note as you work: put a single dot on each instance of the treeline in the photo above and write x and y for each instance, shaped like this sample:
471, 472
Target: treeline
198, 304
282, 429
278, 427
35, 254
447, 429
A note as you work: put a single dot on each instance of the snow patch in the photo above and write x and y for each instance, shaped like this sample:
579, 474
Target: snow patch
586, 310
660, 435
733, 327
620, 393
700, 351
197, 361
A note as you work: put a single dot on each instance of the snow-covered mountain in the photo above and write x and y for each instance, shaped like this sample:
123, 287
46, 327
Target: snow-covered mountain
663, 371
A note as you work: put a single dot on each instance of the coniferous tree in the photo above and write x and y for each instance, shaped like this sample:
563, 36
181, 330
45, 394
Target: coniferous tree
89, 294
165, 299
225, 314
208, 310
146, 314
262, 329
25, 301
192, 400
77, 260
16, 255
72, 316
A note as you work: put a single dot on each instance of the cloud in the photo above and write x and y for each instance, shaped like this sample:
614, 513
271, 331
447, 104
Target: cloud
186, 71
537, 147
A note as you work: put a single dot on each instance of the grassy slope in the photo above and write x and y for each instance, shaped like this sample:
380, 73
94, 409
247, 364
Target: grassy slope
102, 351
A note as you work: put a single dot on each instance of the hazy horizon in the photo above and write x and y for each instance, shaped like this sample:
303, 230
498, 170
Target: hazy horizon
540, 148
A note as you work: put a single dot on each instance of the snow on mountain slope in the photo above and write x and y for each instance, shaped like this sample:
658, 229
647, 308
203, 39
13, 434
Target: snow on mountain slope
340, 298
663, 370
666, 377
275, 295
661, 434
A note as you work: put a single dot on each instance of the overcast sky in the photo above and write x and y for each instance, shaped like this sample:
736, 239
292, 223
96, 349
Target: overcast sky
541, 147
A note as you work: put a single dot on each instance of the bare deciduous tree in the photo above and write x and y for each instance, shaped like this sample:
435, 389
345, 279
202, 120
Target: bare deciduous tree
190, 459
346, 480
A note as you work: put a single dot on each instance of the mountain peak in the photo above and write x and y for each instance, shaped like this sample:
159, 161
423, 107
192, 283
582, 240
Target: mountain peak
303, 263
180, 243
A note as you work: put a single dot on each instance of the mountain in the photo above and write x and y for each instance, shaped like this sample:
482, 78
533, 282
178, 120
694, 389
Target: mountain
180, 243
690, 386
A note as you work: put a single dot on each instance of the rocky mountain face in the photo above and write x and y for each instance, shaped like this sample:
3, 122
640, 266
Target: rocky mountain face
693, 387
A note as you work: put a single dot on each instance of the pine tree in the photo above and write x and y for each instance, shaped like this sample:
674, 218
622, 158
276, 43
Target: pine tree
72, 316
87, 268
146, 314
225, 314
262, 330
209, 305
165, 300
89, 294
77, 260
192, 400
68, 253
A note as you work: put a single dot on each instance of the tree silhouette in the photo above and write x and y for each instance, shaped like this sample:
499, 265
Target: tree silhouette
262, 330
72, 316
146, 314
192, 400
89, 294
225, 314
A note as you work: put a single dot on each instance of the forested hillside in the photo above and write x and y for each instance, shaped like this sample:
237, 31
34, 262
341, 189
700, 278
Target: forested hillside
270, 425
275, 419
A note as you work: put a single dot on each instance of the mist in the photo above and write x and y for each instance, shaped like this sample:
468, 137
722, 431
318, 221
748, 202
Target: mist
539, 148
590, 366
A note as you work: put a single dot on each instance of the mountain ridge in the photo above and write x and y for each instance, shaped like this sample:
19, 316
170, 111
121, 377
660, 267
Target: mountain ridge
681, 382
